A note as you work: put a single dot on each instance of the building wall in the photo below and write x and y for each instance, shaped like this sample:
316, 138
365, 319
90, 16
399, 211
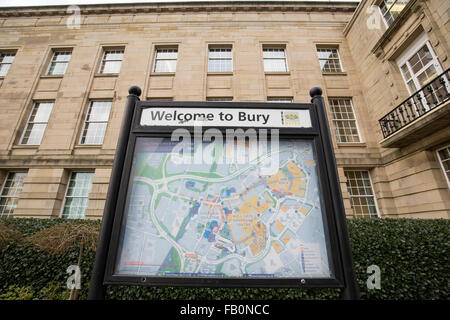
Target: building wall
418, 186
247, 27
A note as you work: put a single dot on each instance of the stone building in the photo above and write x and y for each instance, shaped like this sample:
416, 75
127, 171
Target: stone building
382, 65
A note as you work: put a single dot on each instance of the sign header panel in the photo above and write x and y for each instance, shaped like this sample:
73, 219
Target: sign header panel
220, 117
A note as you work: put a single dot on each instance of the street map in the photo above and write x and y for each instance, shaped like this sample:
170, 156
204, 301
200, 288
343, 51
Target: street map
223, 218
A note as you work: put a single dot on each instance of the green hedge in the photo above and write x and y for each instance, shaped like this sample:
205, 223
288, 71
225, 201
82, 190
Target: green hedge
413, 256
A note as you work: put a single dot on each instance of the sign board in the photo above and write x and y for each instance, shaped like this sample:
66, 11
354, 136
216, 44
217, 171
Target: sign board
215, 117
221, 219
224, 194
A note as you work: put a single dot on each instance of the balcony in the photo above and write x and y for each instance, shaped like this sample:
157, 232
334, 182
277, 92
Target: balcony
424, 112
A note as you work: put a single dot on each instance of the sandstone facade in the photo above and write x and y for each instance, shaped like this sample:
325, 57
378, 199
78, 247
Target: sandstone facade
406, 172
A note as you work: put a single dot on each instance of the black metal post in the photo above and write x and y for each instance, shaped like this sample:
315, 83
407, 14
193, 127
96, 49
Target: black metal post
96, 289
350, 291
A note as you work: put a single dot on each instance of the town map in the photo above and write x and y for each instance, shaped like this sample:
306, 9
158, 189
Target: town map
222, 218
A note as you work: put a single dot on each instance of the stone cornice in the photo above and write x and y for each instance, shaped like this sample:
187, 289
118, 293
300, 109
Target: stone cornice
225, 6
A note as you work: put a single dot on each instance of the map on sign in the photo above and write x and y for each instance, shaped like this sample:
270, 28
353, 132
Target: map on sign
221, 218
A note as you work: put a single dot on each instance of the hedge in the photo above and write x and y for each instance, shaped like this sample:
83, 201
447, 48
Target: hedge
413, 256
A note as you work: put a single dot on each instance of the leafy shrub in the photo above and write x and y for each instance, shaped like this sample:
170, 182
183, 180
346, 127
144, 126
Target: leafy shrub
18, 293
413, 256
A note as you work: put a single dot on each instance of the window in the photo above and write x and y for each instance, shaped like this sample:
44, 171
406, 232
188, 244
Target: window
220, 59
282, 100
217, 99
58, 63
35, 128
6, 59
329, 60
76, 199
166, 60
362, 197
10, 192
344, 121
111, 61
419, 65
390, 9
444, 158
96, 122
274, 59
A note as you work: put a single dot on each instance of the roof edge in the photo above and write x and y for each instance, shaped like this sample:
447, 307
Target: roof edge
159, 7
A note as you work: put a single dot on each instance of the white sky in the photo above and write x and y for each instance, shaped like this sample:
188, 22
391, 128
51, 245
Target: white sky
28, 3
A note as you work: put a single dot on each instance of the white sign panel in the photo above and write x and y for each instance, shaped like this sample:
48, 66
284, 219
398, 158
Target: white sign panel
215, 117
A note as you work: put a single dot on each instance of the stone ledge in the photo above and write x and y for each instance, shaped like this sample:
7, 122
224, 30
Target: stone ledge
343, 73
352, 144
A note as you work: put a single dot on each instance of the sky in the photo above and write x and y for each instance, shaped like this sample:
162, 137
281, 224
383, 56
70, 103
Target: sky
20, 3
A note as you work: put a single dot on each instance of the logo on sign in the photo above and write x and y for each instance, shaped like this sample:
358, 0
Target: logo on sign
290, 119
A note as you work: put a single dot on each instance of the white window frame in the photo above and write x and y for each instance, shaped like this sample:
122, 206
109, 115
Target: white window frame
103, 61
34, 122
2, 214
441, 162
280, 100
156, 59
363, 196
61, 214
412, 49
52, 62
86, 122
275, 47
355, 120
323, 47
220, 47
4, 54
382, 15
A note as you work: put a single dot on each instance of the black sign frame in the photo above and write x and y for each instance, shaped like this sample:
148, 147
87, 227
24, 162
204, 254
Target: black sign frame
340, 259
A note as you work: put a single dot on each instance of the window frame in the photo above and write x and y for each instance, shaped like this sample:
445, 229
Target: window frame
221, 47
441, 162
52, 62
103, 60
385, 20
334, 120
2, 214
156, 59
378, 213
71, 173
3, 54
86, 121
275, 47
325, 47
35, 103
409, 52
280, 100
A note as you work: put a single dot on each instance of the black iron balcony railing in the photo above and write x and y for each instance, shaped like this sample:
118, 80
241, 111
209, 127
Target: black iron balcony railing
431, 96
